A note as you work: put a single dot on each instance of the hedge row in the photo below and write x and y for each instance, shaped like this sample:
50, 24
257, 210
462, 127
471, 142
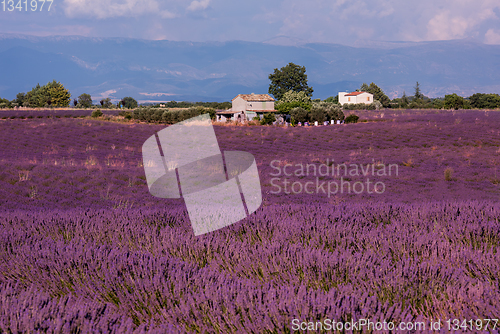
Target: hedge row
170, 116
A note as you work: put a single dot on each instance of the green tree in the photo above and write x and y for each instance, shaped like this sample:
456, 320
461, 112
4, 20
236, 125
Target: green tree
58, 96
480, 101
317, 113
4, 103
378, 93
333, 99
290, 77
404, 100
31, 99
293, 99
299, 114
364, 88
129, 102
453, 101
293, 96
284, 108
418, 94
52, 94
326, 111
268, 119
85, 100
20, 99
437, 103
106, 103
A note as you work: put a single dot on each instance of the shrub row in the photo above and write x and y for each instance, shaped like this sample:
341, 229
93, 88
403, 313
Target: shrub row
376, 105
319, 111
170, 116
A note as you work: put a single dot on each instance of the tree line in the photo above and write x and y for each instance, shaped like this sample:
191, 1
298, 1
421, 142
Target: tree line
55, 95
293, 78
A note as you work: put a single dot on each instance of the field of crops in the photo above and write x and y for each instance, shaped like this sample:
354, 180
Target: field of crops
85, 247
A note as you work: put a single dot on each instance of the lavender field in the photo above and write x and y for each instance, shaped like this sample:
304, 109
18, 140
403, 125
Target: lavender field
84, 247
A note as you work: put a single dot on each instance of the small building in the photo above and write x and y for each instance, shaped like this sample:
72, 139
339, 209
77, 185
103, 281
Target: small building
355, 97
246, 107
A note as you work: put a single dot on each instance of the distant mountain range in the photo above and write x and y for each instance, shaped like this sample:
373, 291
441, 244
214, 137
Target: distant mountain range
218, 71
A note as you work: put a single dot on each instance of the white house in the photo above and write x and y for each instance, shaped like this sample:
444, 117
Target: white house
247, 106
355, 97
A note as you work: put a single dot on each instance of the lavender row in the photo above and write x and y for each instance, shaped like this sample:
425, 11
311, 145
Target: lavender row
385, 262
35, 113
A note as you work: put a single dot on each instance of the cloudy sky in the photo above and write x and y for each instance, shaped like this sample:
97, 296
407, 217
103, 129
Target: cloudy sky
331, 21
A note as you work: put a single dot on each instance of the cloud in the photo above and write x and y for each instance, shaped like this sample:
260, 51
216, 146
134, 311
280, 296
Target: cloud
102, 9
198, 5
454, 25
330, 21
156, 94
165, 14
105, 94
492, 36
444, 26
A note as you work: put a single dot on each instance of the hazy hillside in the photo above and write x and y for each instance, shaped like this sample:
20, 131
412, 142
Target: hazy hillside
166, 70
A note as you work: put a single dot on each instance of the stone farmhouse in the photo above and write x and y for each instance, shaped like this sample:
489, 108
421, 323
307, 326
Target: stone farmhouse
355, 97
246, 107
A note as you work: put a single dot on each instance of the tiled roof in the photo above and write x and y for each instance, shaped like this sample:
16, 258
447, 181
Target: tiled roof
255, 97
354, 93
226, 112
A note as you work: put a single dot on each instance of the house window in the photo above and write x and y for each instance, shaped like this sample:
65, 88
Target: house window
368, 98
348, 99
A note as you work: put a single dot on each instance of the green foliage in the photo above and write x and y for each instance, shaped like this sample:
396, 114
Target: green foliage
437, 103
325, 111
156, 115
106, 103
319, 111
333, 99
418, 94
59, 95
293, 99
375, 105
84, 101
4, 103
317, 114
125, 114
286, 107
129, 102
20, 97
352, 118
453, 101
290, 77
299, 114
293, 96
364, 87
480, 101
378, 93
404, 100
96, 113
268, 119
53, 94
